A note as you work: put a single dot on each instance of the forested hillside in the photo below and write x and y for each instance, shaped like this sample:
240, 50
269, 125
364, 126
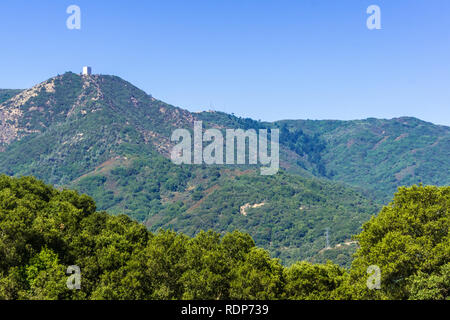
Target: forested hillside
380, 155
285, 213
373, 155
102, 136
44, 230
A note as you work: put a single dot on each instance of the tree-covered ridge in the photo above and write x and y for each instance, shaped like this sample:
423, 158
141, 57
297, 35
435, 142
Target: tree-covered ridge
375, 155
44, 230
380, 155
300, 152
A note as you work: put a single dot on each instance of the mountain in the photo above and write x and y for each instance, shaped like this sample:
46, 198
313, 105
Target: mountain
103, 136
68, 125
380, 155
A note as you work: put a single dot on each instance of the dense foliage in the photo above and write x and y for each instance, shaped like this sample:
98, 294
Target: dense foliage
290, 216
410, 241
310, 146
44, 230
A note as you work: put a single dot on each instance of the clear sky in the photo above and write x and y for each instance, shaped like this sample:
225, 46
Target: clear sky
269, 60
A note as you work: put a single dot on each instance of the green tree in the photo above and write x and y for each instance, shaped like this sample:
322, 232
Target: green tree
307, 281
409, 241
258, 277
431, 287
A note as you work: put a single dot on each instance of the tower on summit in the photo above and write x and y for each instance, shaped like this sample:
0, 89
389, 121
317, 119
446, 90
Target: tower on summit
87, 71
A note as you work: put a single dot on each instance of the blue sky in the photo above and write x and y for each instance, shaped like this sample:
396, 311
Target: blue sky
269, 60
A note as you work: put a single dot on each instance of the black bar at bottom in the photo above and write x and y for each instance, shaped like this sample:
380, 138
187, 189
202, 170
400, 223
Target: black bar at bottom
179, 310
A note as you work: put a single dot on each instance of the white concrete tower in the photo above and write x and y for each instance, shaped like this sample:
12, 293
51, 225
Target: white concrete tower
87, 71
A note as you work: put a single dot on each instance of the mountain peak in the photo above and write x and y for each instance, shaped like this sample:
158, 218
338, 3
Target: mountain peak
95, 98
